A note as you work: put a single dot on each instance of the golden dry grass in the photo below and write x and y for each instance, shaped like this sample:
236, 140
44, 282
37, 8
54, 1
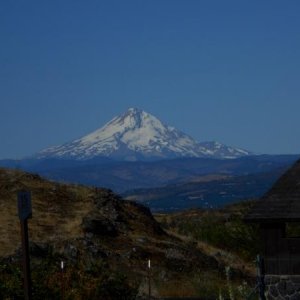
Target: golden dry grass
57, 210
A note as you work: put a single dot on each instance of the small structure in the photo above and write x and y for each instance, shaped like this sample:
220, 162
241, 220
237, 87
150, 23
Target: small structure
277, 210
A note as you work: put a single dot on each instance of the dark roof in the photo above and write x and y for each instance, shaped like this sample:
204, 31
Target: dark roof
281, 202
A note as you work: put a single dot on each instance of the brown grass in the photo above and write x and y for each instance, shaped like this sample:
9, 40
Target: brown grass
57, 210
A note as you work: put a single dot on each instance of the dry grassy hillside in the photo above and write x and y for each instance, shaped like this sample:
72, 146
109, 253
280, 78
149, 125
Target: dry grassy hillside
98, 235
57, 209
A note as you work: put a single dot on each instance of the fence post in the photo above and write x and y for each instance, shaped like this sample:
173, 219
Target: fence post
149, 279
25, 212
62, 286
261, 277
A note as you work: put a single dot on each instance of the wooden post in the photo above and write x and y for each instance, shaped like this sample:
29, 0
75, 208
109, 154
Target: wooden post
26, 260
62, 280
24, 209
149, 278
261, 277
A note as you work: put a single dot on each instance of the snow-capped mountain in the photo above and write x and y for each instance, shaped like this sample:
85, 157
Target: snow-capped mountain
139, 135
219, 150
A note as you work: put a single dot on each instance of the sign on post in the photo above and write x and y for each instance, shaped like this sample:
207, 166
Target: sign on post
24, 205
25, 212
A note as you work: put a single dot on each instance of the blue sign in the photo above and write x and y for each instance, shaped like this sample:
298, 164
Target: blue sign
24, 205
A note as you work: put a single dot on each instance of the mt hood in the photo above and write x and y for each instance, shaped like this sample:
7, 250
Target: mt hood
139, 135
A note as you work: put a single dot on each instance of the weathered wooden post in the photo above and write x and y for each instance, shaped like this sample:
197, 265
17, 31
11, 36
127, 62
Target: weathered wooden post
62, 280
25, 212
261, 277
149, 278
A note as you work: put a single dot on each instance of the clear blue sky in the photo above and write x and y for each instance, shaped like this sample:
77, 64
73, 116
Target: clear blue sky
217, 70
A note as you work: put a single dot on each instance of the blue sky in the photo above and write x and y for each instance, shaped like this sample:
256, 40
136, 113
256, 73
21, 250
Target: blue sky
217, 70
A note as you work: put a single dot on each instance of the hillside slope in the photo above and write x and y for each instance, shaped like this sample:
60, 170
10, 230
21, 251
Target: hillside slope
208, 191
98, 235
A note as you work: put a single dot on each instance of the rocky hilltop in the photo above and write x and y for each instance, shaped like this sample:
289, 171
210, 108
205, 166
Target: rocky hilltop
105, 242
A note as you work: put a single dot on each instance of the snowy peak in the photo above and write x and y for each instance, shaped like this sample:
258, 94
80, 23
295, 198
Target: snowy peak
135, 135
219, 150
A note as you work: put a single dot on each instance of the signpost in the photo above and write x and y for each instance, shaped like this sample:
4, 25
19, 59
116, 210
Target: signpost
25, 212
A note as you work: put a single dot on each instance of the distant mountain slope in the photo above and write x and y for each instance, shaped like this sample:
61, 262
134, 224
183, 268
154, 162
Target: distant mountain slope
137, 135
212, 191
122, 176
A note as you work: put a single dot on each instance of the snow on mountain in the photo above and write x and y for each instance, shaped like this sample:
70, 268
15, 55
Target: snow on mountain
139, 135
219, 150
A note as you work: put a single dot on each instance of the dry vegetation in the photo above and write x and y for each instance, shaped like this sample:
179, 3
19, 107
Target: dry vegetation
105, 243
57, 209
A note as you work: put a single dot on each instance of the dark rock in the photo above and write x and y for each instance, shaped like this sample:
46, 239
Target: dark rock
105, 196
174, 254
142, 240
95, 252
88, 237
99, 225
39, 250
112, 213
71, 251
